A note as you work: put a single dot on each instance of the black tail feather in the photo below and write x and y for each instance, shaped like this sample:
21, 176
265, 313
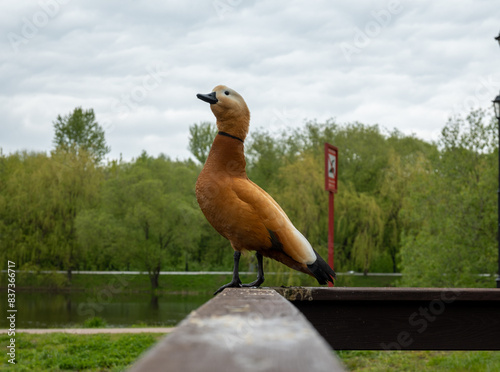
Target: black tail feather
321, 271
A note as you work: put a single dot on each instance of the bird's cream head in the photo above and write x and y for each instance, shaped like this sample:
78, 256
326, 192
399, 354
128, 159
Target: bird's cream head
230, 110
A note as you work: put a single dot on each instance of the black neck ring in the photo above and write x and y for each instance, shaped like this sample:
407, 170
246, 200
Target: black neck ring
230, 135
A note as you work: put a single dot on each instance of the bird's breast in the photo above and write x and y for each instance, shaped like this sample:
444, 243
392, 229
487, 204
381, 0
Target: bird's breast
233, 218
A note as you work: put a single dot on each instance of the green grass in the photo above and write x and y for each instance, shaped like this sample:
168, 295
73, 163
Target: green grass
115, 352
95, 322
421, 361
66, 352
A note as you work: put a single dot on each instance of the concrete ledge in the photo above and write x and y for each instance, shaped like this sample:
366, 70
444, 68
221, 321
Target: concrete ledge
242, 330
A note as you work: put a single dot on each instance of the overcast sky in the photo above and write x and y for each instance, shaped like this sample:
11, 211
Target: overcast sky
139, 64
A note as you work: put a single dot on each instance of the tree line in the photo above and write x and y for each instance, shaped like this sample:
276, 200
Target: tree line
426, 209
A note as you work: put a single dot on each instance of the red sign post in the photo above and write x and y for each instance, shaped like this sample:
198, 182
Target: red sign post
331, 171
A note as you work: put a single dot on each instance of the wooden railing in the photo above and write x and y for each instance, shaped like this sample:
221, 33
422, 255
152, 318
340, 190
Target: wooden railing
242, 330
259, 330
402, 318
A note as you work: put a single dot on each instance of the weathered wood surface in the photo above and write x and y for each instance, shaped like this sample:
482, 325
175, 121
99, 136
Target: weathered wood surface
242, 330
402, 318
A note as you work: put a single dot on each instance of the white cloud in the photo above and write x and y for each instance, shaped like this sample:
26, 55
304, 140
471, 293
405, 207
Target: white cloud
425, 62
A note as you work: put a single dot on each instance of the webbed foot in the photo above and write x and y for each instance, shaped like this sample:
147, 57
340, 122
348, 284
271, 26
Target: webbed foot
255, 283
233, 284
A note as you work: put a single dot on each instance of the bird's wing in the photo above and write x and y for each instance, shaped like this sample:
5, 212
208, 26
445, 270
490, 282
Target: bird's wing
274, 219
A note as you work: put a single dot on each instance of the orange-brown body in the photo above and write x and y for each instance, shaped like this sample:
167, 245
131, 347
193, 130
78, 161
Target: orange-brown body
240, 210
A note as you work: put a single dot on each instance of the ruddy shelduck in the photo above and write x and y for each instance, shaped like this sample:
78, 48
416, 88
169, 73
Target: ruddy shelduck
240, 210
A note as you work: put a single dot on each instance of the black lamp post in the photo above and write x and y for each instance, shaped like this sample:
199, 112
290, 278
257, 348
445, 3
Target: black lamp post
496, 106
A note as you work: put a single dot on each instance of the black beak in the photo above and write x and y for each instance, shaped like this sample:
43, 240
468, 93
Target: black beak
210, 97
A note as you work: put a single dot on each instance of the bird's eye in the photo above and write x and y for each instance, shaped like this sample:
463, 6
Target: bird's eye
226, 92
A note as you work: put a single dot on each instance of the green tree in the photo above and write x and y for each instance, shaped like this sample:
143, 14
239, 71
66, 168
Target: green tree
80, 131
23, 224
266, 155
76, 188
41, 198
304, 180
101, 238
395, 188
201, 137
152, 220
359, 227
452, 209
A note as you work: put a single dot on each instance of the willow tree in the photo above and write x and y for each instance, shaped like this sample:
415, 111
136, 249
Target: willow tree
359, 228
299, 189
25, 219
152, 216
76, 187
41, 199
396, 186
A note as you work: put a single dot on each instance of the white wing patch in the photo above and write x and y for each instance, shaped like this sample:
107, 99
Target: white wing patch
305, 252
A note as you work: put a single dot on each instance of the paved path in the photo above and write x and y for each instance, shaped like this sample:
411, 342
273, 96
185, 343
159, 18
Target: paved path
92, 331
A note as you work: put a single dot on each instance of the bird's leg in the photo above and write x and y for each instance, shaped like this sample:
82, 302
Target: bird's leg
235, 282
260, 275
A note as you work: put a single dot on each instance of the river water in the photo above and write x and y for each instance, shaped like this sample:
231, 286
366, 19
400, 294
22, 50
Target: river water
55, 310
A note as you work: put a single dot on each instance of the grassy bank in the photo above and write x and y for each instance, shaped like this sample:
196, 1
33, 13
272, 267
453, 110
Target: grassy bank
177, 283
65, 352
421, 361
105, 352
